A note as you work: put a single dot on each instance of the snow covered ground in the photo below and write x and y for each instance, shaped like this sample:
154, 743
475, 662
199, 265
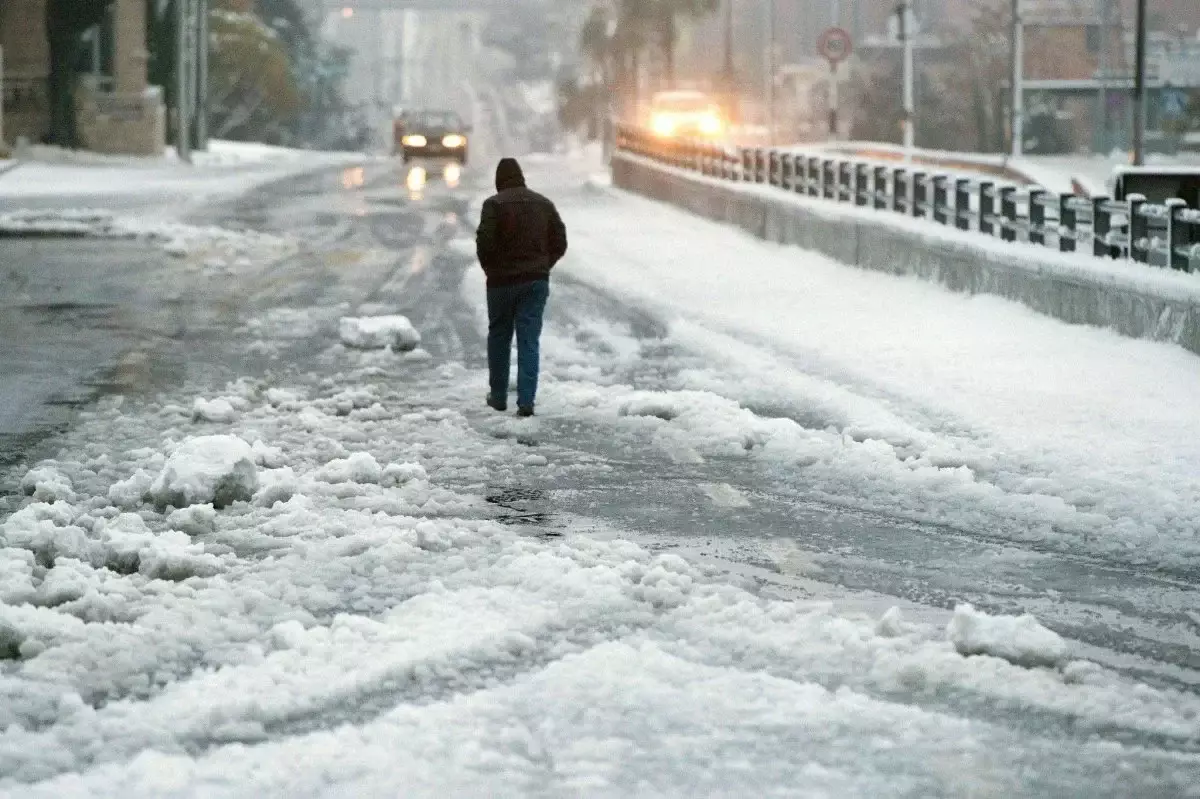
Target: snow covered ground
327, 611
894, 394
299, 584
160, 186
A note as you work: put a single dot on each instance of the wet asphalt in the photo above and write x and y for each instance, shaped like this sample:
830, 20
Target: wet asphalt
84, 318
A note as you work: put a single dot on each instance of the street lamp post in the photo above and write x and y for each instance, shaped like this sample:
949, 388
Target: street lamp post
1139, 87
1018, 77
183, 71
907, 35
769, 68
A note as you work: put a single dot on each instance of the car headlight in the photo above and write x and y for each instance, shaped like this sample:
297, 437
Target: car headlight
663, 125
415, 140
710, 124
454, 140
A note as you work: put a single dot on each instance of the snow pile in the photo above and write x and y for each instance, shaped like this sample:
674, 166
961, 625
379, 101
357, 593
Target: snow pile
1020, 640
378, 332
207, 469
218, 248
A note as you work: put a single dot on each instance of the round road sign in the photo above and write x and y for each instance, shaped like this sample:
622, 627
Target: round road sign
834, 45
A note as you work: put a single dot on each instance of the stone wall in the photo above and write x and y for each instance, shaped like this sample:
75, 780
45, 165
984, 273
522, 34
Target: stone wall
120, 122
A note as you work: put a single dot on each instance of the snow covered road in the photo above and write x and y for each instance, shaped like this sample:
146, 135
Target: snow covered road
732, 554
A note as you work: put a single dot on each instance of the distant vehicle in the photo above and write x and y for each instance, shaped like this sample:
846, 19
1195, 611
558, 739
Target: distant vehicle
685, 114
431, 134
1157, 183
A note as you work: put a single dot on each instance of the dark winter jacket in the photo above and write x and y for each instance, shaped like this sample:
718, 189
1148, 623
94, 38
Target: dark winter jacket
521, 236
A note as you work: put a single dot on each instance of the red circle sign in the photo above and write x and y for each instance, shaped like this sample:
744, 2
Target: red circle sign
834, 44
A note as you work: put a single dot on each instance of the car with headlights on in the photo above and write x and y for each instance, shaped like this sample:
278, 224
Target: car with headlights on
685, 115
432, 134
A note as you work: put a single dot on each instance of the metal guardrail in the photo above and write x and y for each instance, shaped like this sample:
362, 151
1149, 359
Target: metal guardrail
1133, 229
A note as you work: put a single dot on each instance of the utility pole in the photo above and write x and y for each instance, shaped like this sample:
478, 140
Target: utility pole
907, 36
769, 67
1139, 87
202, 75
1018, 80
183, 70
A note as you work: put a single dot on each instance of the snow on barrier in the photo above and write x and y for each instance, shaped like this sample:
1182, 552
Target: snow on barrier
1073, 258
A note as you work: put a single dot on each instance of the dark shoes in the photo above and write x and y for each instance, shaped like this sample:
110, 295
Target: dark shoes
523, 411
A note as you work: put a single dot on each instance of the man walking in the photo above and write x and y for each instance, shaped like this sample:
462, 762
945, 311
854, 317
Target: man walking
520, 239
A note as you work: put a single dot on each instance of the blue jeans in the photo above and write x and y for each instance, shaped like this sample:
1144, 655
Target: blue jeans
517, 307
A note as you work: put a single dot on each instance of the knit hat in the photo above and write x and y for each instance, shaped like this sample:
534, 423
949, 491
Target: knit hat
509, 174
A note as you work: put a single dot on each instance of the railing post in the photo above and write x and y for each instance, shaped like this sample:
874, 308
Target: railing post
962, 203
1067, 220
799, 174
1008, 213
748, 165
773, 167
816, 177
828, 179
785, 166
1178, 235
900, 189
1139, 228
861, 184
940, 199
1037, 216
987, 207
879, 187
920, 193
760, 165
1101, 227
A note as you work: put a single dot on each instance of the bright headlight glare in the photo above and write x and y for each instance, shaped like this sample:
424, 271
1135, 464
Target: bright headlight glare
663, 125
710, 124
454, 140
416, 140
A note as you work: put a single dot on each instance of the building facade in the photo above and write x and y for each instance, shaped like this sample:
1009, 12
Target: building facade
116, 111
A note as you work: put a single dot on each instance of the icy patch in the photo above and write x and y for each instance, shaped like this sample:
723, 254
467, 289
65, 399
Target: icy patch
207, 469
723, 495
377, 332
1017, 639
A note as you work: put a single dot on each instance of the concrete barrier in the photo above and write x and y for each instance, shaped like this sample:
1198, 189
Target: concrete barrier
1135, 300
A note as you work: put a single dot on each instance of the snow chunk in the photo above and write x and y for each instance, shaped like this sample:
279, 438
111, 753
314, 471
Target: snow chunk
397, 474
195, 519
377, 332
276, 485
1017, 639
218, 410
361, 467
207, 469
47, 484
131, 492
